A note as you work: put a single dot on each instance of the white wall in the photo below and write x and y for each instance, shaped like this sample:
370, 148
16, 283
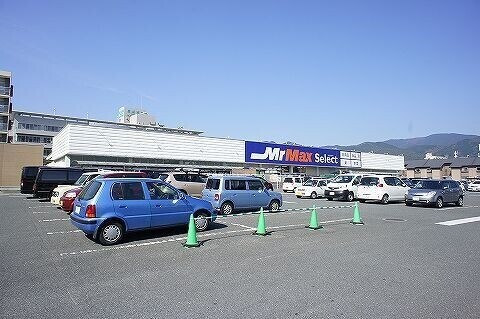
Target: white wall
118, 142
381, 161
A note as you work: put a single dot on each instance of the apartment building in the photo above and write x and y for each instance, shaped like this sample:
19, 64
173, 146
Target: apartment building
6, 93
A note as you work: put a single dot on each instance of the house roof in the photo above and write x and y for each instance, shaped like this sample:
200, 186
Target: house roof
439, 163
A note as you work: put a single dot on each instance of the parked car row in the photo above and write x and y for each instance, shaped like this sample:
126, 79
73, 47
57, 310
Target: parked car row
384, 189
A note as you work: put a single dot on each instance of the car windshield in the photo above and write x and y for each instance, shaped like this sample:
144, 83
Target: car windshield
428, 185
81, 180
343, 179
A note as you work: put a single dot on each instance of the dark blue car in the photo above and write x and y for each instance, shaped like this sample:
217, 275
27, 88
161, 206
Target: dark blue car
108, 208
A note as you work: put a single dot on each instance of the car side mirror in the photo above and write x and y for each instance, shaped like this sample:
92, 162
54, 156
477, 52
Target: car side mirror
181, 195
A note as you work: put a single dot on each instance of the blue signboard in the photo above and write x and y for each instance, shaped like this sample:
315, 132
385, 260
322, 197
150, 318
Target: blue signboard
267, 153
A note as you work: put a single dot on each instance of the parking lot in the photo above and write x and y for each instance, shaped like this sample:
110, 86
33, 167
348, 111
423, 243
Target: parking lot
401, 263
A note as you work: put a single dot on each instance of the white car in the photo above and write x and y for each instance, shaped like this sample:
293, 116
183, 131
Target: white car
291, 183
474, 186
312, 188
381, 188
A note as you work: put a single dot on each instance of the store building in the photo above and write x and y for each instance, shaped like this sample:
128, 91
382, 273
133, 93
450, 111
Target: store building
130, 148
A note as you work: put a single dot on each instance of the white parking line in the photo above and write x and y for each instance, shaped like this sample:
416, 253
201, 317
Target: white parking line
64, 232
54, 220
150, 243
286, 202
41, 206
459, 221
43, 212
240, 225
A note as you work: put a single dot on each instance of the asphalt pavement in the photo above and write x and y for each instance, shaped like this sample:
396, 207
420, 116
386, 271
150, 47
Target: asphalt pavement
400, 264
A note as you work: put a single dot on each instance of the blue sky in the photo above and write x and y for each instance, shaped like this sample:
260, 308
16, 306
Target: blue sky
311, 72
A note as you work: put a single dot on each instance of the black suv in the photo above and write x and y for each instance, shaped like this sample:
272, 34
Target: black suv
50, 177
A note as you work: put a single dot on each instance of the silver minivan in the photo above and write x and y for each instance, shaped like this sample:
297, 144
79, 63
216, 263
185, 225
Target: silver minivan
229, 193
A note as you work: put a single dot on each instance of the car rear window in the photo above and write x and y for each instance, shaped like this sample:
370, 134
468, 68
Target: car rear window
288, 180
53, 175
90, 190
213, 183
367, 181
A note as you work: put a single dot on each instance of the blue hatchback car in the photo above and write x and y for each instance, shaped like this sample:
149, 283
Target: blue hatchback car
108, 208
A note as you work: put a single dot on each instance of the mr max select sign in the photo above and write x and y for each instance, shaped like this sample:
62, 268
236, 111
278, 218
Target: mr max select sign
290, 155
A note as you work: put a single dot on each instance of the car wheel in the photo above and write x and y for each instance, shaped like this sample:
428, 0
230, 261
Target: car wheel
329, 198
361, 200
439, 202
408, 204
313, 195
226, 208
349, 197
201, 222
274, 206
384, 199
460, 201
111, 233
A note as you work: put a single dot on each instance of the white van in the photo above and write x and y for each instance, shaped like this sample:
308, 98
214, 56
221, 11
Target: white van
343, 187
290, 183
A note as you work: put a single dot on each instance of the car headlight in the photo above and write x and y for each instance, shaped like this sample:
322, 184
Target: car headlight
431, 194
70, 195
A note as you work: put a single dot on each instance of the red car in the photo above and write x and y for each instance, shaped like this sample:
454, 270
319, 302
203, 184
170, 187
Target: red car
66, 201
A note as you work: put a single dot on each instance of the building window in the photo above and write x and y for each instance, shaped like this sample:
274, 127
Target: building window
29, 126
39, 127
34, 139
417, 171
464, 170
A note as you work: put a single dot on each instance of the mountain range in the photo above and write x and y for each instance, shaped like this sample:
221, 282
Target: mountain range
444, 144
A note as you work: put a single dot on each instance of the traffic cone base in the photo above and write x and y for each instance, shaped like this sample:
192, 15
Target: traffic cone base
261, 228
313, 220
192, 234
356, 216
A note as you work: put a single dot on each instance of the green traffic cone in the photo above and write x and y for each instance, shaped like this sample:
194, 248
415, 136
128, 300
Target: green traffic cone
192, 234
261, 229
356, 216
313, 220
